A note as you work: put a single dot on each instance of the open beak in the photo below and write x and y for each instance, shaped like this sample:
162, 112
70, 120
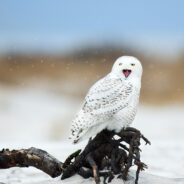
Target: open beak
126, 72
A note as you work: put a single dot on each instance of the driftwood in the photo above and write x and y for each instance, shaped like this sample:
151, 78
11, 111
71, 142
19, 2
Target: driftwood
104, 156
31, 157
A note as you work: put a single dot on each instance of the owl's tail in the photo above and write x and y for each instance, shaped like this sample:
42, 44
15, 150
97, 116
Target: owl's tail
79, 135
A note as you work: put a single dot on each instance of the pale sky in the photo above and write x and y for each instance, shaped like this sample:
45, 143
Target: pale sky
63, 24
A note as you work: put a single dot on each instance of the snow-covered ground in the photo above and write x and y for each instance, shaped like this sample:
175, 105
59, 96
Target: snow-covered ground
40, 117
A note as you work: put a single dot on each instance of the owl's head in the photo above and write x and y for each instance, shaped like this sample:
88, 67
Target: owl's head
127, 67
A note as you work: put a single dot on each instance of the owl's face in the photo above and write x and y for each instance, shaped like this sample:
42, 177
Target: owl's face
127, 67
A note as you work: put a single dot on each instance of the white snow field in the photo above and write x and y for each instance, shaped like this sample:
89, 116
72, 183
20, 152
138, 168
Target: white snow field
41, 118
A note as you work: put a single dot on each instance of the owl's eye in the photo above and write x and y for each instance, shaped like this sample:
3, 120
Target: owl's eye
133, 64
120, 64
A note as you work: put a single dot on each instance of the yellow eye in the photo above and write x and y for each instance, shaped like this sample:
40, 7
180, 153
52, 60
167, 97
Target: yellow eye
120, 64
133, 64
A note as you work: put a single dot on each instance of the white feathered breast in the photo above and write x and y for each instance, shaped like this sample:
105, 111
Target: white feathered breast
104, 100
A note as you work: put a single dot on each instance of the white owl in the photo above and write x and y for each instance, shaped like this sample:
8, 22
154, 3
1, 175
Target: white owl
111, 102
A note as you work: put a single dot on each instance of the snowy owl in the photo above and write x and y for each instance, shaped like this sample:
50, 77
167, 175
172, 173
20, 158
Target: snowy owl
111, 102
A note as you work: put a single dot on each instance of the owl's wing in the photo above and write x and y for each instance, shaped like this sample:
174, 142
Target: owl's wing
107, 96
104, 99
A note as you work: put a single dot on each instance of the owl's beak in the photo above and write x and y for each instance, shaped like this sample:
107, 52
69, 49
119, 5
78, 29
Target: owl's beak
126, 72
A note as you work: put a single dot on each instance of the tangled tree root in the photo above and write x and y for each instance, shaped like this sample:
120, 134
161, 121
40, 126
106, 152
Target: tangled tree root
104, 156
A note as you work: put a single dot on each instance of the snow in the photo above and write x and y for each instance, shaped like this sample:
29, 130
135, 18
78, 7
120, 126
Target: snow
164, 127
36, 116
31, 110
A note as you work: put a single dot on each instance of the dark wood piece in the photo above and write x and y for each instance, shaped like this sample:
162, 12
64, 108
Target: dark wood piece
31, 157
104, 156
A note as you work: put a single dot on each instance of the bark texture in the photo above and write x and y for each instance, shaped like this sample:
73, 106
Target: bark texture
31, 157
107, 155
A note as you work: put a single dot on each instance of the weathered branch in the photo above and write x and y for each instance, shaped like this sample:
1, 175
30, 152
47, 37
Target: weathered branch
31, 157
104, 156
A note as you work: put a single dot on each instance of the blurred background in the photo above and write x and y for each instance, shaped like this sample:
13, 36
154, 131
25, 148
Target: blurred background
51, 52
